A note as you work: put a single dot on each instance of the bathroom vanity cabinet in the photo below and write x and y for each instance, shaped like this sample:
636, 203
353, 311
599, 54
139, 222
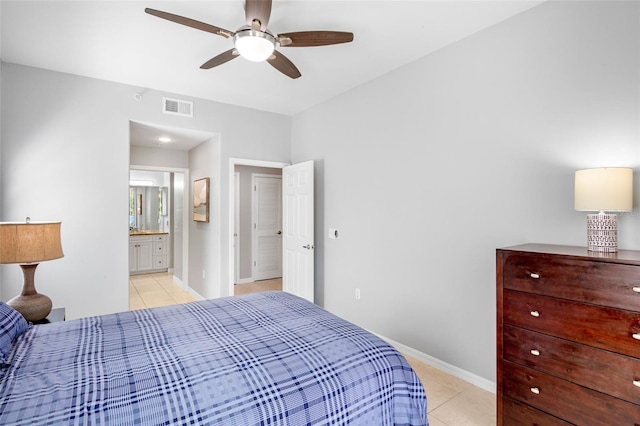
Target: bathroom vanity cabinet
147, 252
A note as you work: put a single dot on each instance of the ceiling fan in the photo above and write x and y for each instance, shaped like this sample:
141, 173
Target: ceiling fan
253, 41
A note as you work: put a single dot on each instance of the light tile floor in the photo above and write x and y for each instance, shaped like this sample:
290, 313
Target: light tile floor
256, 286
451, 401
152, 290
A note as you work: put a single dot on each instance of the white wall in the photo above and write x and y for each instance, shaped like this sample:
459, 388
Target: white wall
204, 242
154, 178
178, 227
0, 131
427, 170
65, 156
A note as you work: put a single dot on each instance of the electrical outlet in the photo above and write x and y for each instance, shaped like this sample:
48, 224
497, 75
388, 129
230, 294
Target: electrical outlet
357, 294
203, 274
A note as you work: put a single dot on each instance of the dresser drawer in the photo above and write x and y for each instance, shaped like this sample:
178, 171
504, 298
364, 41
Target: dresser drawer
516, 413
607, 328
601, 370
571, 402
601, 283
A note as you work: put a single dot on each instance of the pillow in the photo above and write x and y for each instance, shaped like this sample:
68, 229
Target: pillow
12, 325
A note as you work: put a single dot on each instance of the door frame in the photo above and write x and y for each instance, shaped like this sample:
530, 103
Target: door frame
185, 214
233, 162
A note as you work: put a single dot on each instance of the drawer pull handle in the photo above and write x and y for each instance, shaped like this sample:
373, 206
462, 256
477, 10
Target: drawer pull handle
535, 276
636, 289
535, 352
636, 336
535, 390
537, 314
636, 383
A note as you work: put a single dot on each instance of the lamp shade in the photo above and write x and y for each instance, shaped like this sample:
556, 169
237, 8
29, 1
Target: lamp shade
31, 242
604, 189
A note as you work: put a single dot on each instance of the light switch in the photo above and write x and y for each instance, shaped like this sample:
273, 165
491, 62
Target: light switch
333, 233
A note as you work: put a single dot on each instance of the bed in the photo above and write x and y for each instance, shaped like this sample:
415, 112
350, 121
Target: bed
259, 359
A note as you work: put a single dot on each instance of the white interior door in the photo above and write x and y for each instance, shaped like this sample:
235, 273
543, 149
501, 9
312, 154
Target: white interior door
267, 227
298, 227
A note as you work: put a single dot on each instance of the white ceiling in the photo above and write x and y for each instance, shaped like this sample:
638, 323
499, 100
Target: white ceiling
117, 41
146, 134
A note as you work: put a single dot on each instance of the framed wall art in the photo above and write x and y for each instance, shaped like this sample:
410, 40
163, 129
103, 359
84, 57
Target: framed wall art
201, 200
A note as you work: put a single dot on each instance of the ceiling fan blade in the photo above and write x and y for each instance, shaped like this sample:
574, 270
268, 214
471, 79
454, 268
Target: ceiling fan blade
260, 10
314, 38
190, 23
284, 65
220, 59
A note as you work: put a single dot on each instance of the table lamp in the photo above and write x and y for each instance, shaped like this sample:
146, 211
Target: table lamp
28, 244
603, 190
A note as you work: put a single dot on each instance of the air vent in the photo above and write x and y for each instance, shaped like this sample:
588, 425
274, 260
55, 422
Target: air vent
177, 107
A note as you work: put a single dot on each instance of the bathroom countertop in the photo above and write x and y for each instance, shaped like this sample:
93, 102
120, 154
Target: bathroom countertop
136, 233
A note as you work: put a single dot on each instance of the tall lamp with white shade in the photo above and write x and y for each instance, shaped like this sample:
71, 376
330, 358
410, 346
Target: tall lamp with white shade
602, 190
27, 244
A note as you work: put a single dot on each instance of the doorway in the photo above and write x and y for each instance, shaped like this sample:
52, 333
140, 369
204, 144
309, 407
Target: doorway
157, 147
298, 228
267, 226
257, 221
240, 237
176, 216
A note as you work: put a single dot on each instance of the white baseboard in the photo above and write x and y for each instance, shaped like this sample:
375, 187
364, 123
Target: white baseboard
245, 281
186, 288
474, 379
179, 282
194, 293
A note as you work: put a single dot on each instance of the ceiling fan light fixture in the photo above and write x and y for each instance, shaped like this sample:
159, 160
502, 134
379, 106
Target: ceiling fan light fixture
253, 45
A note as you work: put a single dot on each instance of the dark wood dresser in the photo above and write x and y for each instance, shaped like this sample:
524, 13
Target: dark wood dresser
568, 335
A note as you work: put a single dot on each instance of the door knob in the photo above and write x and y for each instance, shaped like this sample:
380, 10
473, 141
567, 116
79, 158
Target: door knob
279, 232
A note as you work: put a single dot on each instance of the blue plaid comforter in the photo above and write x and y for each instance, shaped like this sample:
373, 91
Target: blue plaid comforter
261, 359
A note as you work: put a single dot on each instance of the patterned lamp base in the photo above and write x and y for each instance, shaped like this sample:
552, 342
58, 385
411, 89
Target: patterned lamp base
602, 232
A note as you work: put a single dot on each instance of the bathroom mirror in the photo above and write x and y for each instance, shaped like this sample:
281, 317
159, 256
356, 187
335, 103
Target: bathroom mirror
147, 207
